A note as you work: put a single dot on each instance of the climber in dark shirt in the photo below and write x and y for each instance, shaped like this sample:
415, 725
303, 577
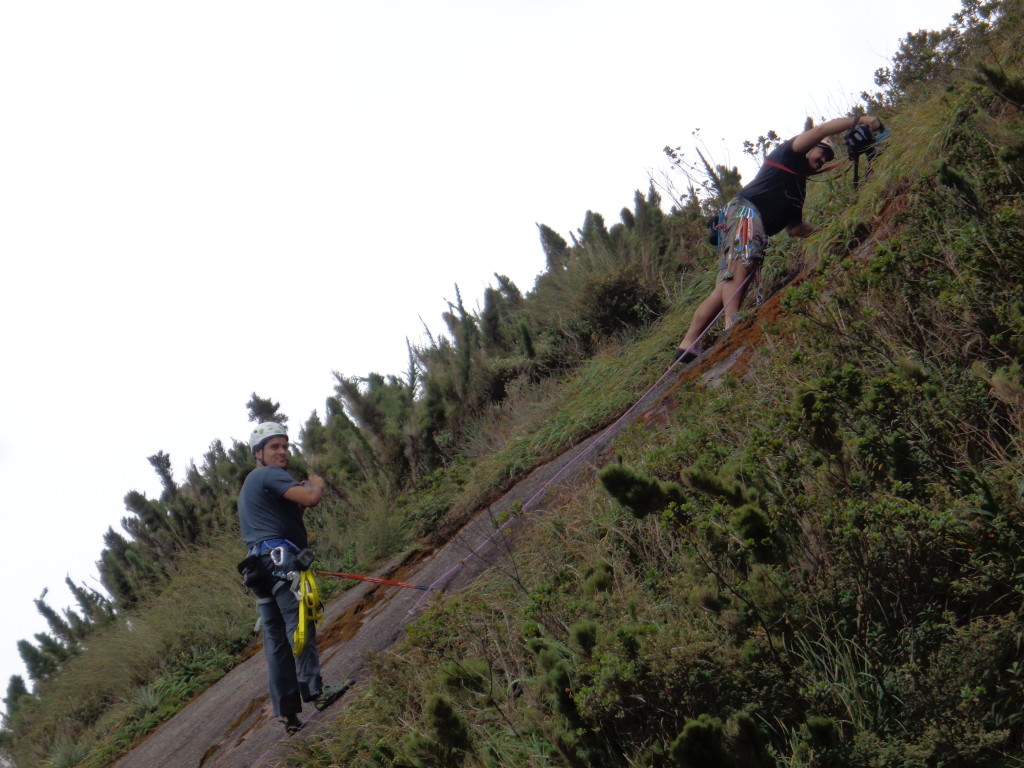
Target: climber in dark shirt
772, 202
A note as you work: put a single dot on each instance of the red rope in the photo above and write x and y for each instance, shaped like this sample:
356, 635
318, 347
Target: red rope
373, 580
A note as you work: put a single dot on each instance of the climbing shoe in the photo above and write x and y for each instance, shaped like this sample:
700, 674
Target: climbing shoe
684, 355
291, 724
330, 694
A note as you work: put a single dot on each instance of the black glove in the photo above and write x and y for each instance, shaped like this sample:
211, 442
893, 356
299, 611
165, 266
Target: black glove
860, 140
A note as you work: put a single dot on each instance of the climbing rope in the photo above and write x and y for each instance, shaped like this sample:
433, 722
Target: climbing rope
529, 505
373, 580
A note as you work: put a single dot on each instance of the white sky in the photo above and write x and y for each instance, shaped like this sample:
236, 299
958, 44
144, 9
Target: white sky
199, 200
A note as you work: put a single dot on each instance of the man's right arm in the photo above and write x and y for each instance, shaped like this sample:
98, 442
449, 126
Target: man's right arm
309, 494
803, 143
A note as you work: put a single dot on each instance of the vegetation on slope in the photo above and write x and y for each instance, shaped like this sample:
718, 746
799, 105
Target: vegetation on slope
833, 575
403, 457
825, 568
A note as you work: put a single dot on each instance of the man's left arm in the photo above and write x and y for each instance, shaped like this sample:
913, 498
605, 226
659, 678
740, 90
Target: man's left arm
803, 229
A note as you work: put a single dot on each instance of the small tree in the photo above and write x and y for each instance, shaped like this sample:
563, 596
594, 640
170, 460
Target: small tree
261, 409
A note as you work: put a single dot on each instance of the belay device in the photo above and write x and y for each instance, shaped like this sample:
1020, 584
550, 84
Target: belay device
861, 142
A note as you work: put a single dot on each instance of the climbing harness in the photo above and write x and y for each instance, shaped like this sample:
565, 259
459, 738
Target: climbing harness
303, 585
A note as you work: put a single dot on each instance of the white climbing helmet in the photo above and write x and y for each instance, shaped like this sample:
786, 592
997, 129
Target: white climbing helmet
264, 432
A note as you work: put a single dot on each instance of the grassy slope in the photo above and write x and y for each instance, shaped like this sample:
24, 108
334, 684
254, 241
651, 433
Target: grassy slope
841, 584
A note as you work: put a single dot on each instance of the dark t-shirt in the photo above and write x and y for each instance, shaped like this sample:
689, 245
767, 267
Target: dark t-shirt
265, 513
777, 194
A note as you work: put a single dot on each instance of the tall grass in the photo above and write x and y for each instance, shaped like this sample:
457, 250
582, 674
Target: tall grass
189, 632
879, 619
872, 615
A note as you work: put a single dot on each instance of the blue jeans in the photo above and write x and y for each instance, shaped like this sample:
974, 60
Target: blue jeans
291, 680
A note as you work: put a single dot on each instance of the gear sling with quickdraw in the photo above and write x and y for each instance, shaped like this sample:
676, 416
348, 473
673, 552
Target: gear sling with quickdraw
267, 570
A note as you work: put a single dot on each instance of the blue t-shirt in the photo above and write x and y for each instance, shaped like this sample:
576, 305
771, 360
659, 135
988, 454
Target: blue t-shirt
779, 195
265, 513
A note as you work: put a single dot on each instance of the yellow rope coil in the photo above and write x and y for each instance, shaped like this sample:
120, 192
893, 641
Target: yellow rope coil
311, 610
